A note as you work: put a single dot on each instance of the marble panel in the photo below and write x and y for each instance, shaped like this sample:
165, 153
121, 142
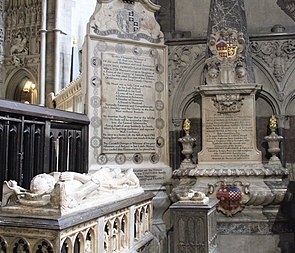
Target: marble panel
228, 125
126, 88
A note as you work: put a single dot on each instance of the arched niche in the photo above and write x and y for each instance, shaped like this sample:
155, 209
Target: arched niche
289, 133
185, 102
21, 85
265, 108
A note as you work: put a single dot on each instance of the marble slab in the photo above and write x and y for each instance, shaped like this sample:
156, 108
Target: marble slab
126, 88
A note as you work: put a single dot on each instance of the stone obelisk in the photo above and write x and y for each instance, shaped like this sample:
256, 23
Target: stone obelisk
231, 14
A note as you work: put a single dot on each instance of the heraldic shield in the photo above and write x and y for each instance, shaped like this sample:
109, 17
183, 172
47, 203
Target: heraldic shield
231, 196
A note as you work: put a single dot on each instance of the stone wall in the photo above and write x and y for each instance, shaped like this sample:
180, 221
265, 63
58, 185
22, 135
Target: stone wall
21, 46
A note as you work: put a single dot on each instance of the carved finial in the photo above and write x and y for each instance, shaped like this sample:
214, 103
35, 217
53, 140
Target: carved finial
187, 126
273, 122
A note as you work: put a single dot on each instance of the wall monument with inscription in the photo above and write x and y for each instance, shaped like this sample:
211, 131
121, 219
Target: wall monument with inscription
125, 75
229, 166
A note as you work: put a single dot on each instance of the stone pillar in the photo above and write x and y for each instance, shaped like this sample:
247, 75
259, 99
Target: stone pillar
2, 32
194, 226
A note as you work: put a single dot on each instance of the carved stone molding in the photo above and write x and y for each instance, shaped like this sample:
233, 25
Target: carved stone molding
181, 60
23, 20
219, 171
288, 6
227, 103
278, 55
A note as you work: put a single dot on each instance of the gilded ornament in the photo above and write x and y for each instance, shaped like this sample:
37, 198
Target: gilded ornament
187, 126
273, 122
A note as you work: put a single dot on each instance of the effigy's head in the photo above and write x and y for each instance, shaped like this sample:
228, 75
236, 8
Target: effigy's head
42, 183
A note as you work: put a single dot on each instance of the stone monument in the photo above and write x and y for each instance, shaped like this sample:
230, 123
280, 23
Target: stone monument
229, 166
125, 81
61, 193
106, 211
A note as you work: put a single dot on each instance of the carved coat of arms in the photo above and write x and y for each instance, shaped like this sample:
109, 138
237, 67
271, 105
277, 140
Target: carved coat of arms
229, 197
232, 196
226, 65
128, 20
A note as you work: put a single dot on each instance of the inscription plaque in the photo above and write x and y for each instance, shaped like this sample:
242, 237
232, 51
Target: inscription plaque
229, 137
128, 107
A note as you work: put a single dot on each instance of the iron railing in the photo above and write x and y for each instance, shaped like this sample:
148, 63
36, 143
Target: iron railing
35, 139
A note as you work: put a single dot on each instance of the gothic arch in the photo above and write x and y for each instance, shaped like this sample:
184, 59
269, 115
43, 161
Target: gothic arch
288, 102
182, 95
288, 75
271, 101
260, 66
15, 81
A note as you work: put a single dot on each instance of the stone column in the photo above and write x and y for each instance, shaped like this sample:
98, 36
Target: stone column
2, 32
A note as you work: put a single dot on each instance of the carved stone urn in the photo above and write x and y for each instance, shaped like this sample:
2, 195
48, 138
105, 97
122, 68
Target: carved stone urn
273, 141
187, 145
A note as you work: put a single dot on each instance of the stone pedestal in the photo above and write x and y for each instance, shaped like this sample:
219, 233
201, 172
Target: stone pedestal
194, 227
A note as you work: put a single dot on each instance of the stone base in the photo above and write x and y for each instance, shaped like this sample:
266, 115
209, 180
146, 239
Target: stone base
251, 231
256, 243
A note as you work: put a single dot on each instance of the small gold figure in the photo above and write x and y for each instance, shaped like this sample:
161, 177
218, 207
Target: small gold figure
273, 122
187, 126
